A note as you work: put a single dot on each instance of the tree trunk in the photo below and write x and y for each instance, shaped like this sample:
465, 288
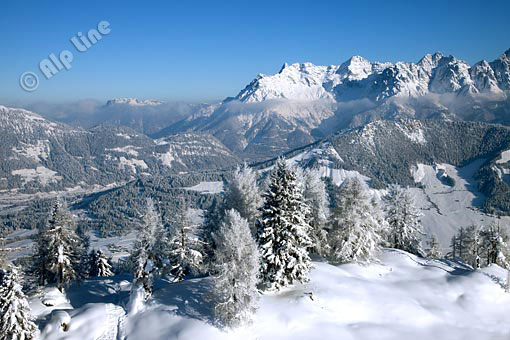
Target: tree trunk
60, 278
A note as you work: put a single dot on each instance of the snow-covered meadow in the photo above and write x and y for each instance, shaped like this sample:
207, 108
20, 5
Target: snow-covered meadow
400, 297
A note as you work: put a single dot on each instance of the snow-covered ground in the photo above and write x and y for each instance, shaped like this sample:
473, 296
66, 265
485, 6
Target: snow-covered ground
447, 208
117, 247
401, 297
207, 187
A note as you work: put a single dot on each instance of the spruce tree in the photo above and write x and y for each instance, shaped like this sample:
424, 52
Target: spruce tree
356, 224
59, 250
404, 221
16, 322
317, 199
242, 194
494, 239
433, 247
235, 285
283, 231
185, 247
473, 247
212, 220
100, 264
148, 253
39, 265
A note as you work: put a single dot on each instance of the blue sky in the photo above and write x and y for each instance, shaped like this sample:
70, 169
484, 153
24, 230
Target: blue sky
203, 51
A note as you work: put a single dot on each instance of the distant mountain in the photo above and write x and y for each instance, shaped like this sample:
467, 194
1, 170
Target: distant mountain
144, 116
40, 155
133, 102
305, 102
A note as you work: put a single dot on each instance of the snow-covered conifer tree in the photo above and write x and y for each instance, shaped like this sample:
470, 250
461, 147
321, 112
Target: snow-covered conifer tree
242, 194
147, 253
185, 253
473, 247
64, 250
433, 247
356, 223
403, 217
495, 245
283, 231
100, 264
212, 220
16, 322
237, 257
317, 199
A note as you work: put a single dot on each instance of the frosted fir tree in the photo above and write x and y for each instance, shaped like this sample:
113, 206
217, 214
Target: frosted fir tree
213, 217
100, 264
185, 246
16, 321
40, 258
433, 247
495, 245
148, 253
405, 229
473, 246
283, 231
356, 224
242, 194
235, 285
317, 199
64, 248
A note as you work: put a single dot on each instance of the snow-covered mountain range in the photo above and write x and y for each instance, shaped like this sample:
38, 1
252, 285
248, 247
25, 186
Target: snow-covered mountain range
358, 78
303, 102
133, 102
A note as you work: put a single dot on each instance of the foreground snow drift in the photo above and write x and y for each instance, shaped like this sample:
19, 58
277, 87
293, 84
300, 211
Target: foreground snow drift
401, 297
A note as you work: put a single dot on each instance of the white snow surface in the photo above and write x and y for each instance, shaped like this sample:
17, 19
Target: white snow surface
401, 297
37, 152
41, 174
505, 157
207, 187
132, 164
128, 149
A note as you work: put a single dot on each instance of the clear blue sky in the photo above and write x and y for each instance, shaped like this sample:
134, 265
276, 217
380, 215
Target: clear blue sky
198, 51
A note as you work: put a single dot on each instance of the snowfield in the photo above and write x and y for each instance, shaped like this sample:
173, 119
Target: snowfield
207, 187
447, 207
401, 297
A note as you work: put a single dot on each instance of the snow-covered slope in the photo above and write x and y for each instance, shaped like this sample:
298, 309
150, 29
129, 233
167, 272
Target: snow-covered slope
457, 181
40, 155
401, 297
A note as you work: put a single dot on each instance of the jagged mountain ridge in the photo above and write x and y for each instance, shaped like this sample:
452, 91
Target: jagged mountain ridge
359, 78
305, 102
